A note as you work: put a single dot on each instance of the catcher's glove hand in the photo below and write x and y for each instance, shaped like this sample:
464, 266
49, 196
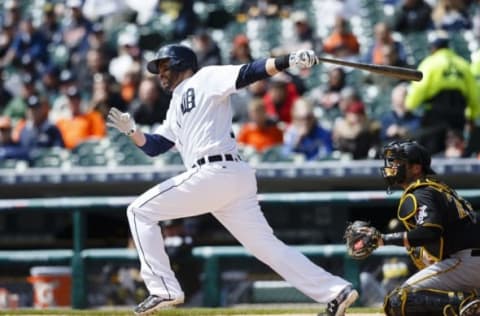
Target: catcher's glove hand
362, 239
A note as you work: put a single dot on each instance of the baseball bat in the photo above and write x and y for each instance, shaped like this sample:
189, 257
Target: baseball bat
390, 71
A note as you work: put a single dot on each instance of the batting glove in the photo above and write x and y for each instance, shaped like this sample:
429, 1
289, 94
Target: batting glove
121, 121
303, 58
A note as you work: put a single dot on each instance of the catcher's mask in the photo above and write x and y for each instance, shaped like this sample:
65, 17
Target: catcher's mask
396, 155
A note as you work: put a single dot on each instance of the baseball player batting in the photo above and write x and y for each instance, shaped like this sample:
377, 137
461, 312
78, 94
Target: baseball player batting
198, 124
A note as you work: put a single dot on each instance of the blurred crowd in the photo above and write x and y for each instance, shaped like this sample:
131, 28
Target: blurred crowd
64, 63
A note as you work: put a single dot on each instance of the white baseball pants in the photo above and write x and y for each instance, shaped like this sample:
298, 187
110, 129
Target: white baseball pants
227, 190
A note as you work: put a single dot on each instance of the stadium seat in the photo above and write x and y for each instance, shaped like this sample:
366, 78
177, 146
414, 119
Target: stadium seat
172, 158
49, 157
91, 146
8, 163
275, 154
133, 158
89, 160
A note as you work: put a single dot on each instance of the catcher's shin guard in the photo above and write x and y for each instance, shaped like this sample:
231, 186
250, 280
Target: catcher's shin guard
422, 302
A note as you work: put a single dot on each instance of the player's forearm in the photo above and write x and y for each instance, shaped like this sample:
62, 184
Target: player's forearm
395, 239
414, 238
153, 144
138, 137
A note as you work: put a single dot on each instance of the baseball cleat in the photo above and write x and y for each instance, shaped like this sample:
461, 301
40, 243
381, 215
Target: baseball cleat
338, 306
154, 303
471, 309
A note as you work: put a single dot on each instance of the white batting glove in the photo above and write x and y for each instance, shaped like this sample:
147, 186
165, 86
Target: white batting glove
303, 58
121, 121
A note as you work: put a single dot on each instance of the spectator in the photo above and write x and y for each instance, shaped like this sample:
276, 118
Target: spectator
96, 63
399, 124
128, 54
12, 14
98, 40
60, 107
75, 32
206, 49
305, 136
327, 98
7, 34
240, 53
263, 8
238, 100
348, 96
38, 131
130, 83
341, 42
51, 83
5, 95
449, 89
279, 98
8, 148
28, 42
383, 37
51, 27
304, 36
354, 133
329, 9
104, 95
451, 15
390, 58
80, 126
260, 132
412, 16
152, 104
455, 146
17, 107
185, 20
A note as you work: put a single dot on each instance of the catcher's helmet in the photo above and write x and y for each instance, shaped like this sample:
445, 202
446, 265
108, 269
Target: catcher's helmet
181, 58
402, 153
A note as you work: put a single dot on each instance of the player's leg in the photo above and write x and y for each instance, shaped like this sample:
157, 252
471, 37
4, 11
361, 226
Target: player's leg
244, 219
191, 193
456, 273
445, 287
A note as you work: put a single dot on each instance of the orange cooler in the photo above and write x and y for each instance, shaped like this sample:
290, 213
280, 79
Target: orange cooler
52, 286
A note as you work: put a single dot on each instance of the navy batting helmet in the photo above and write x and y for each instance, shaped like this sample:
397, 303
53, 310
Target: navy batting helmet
180, 58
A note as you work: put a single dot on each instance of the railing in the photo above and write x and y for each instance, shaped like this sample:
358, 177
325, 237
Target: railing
78, 256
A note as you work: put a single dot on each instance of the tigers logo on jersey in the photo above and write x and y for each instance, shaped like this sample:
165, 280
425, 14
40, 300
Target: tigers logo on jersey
421, 214
188, 101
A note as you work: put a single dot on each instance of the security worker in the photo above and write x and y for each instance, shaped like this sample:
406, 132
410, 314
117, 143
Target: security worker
449, 92
442, 237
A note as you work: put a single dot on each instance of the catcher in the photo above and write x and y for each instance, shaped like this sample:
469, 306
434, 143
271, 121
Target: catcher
442, 237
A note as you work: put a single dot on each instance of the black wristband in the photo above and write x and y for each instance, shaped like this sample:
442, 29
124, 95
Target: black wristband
282, 62
393, 239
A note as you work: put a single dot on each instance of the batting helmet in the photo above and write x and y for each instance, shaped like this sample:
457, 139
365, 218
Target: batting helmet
404, 152
180, 58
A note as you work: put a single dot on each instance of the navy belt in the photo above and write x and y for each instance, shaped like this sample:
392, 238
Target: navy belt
216, 158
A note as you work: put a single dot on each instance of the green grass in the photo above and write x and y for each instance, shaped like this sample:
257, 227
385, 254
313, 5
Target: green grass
184, 311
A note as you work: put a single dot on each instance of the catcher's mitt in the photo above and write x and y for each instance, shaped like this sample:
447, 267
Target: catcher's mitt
362, 239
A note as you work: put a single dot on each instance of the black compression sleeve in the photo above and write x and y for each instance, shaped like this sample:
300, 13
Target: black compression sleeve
282, 62
395, 239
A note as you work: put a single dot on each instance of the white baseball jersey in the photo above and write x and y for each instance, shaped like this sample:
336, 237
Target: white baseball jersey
199, 118
199, 123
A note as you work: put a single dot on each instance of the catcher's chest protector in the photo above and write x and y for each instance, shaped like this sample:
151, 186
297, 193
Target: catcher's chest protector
412, 215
